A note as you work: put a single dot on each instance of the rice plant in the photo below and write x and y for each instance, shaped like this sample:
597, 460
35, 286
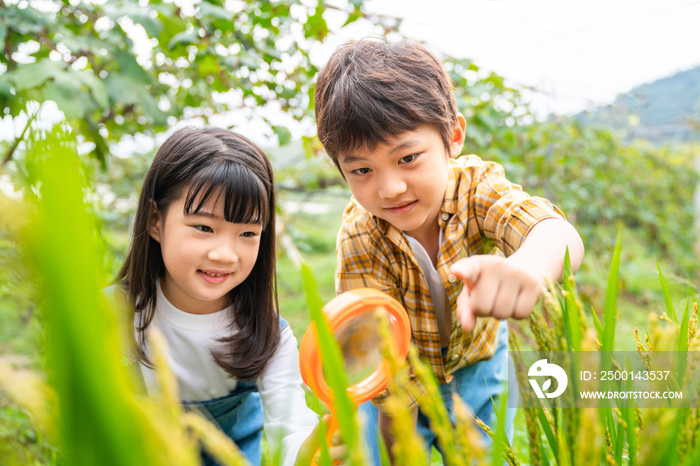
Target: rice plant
87, 406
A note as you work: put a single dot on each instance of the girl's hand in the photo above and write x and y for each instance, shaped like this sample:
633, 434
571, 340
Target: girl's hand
495, 286
337, 450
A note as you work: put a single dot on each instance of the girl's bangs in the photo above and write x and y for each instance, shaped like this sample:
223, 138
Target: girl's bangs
245, 197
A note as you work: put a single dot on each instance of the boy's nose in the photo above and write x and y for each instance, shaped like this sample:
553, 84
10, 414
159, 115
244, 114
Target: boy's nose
389, 188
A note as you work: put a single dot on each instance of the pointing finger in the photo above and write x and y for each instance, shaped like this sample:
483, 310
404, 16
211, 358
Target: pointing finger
468, 270
465, 314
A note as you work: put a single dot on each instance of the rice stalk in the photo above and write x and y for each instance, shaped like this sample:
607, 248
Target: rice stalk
508, 454
407, 448
468, 438
214, 440
433, 407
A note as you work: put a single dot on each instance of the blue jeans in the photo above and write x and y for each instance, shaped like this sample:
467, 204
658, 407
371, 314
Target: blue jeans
470, 383
240, 415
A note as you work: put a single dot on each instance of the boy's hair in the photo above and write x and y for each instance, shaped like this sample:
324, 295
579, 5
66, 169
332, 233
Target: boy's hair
210, 166
373, 90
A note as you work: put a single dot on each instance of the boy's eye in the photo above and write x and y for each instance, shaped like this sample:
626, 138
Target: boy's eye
361, 171
409, 158
203, 228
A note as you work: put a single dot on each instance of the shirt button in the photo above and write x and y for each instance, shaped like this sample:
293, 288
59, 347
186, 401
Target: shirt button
455, 357
445, 216
452, 278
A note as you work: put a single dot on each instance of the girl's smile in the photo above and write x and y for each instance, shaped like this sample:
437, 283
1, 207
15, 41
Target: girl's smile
205, 256
214, 277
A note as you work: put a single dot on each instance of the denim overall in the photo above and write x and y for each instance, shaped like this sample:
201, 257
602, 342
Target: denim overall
240, 415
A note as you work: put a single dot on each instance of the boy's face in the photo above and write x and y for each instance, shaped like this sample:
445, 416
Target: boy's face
403, 181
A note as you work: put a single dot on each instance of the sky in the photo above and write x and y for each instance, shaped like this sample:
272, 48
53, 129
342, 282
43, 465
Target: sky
577, 54
565, 55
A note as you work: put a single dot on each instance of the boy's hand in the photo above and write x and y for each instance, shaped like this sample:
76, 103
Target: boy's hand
495, 286
337, 450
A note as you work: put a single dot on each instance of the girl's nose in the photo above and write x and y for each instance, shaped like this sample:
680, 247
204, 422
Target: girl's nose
224, 254
390, 187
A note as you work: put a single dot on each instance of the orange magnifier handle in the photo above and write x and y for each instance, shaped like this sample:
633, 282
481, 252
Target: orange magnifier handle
352, 318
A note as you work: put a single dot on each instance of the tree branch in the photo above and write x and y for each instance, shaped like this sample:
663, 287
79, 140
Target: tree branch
12, 149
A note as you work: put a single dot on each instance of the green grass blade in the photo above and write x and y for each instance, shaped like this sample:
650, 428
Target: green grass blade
333, 366
547, 429
683, 340
99, 422
620, 441
667, 296
570, 308
500, 439
631, 420
611, 300
597, 324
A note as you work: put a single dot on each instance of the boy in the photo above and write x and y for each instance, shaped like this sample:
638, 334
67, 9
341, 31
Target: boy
420, 220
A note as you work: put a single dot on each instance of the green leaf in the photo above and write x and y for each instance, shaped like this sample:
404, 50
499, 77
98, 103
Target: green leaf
683, 340
153, 26
97, 87
124, 90
316, 26
209, 10
91, 133
667, 296
68, 95
283, 134
172, 25
184, 38
332, 361
100, 422
34, 74
5, 87
570, 308
596, 323
128, 66
500, 439
208, 64
610, 312
352, 17
547, 429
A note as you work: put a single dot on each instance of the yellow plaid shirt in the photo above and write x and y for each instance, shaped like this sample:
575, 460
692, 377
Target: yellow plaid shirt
481, 209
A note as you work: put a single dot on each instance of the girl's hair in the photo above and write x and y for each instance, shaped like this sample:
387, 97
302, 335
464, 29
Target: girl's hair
205, 165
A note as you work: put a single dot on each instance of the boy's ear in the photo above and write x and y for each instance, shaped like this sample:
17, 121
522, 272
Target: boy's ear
458, 136
155, 222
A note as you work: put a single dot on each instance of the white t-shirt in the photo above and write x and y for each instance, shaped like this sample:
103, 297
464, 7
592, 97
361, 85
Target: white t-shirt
190, 337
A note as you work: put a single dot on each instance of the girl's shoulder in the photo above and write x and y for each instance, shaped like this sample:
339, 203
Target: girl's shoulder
283, 324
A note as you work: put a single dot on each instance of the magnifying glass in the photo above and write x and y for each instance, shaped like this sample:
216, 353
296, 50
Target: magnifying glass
354, 319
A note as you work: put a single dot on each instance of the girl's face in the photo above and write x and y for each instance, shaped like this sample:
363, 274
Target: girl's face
205, 256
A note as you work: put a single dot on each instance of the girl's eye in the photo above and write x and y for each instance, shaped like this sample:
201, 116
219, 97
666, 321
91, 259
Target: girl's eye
250, 234
361, 171
203, 228
409, 158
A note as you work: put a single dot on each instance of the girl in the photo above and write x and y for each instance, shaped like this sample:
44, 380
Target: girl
201, 268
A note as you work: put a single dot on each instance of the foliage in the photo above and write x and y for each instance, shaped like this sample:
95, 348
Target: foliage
213, 59
599, 182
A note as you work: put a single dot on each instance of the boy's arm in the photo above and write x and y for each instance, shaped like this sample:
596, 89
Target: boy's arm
503, 288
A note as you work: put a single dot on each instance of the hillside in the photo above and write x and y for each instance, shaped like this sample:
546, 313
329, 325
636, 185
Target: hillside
666, 110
